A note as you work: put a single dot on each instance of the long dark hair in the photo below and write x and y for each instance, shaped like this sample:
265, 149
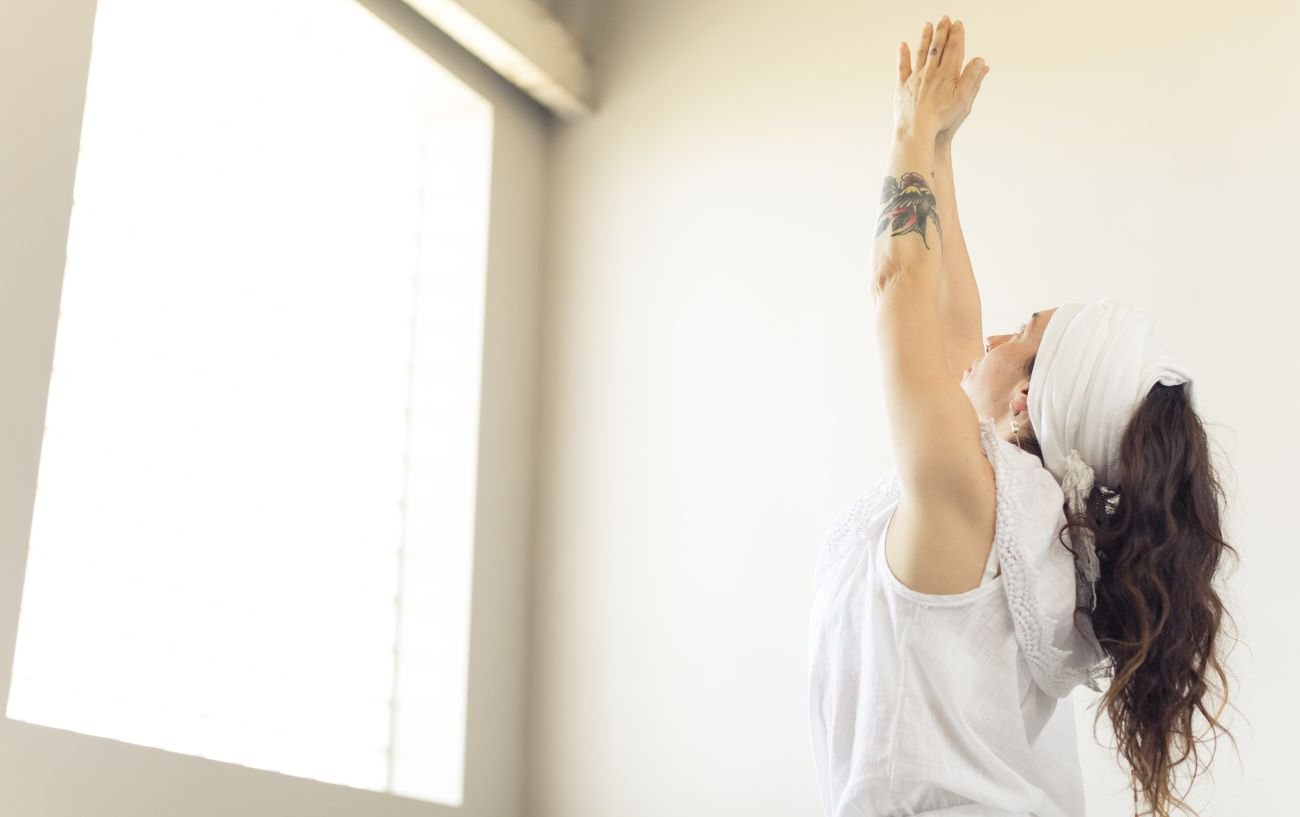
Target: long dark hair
1158, 613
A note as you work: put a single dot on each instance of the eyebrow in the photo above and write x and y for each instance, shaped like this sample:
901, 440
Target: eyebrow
1027, 324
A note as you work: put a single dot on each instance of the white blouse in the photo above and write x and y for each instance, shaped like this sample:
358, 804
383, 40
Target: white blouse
955, 705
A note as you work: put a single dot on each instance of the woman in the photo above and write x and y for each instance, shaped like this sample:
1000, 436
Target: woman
1053, 518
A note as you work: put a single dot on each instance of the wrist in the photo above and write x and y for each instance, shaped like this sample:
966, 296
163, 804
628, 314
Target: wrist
916, 132
943, 147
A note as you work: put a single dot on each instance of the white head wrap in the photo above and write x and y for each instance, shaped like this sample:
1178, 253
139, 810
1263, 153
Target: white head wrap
1095, 366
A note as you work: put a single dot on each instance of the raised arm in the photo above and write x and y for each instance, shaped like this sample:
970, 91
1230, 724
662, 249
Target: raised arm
933, 427
960, 311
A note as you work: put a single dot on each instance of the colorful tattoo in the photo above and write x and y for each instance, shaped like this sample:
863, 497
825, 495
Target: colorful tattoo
908, 205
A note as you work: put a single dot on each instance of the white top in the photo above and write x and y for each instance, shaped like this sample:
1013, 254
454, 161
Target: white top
953, 705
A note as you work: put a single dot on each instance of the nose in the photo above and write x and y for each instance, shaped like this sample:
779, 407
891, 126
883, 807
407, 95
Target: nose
994, 340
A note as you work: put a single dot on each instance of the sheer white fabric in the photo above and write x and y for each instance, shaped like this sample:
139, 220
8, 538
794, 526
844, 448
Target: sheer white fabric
951, 704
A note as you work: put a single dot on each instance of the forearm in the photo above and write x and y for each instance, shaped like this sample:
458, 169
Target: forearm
959, 296
908, 238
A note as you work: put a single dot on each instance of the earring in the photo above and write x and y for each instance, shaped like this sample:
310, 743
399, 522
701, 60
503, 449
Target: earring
1015, 429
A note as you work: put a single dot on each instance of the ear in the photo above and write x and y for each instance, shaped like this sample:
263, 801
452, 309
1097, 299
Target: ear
1020, 402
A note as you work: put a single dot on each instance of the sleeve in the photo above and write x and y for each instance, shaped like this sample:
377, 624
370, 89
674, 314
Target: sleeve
1040, 576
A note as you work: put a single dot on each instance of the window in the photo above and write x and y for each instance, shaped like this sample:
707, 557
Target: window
253, 531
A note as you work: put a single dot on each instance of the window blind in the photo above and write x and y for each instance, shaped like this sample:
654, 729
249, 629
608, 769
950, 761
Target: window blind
253, 528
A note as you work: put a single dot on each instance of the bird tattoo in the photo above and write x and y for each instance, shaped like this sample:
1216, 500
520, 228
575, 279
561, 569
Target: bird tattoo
908, 204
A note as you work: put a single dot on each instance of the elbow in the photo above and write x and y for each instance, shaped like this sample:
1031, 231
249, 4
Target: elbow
884, 276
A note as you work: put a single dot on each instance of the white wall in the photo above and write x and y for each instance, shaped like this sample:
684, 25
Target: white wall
44, 51
710, 389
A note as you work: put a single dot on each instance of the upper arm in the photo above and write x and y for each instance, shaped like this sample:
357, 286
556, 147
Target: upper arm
961, 352
934, 429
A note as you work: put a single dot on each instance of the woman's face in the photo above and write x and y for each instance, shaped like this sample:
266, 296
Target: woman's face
995, 382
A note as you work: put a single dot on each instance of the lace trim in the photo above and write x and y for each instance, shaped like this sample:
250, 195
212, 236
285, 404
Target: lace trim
1034, 626
850, 526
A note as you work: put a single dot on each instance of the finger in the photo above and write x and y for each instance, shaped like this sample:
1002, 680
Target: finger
970, 78
954, 50
923, 49
904, 63
936, 47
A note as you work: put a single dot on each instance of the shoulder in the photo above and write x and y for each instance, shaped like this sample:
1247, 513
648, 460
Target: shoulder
939, 540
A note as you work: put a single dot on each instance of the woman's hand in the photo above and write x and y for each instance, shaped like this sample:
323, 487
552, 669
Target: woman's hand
935, 95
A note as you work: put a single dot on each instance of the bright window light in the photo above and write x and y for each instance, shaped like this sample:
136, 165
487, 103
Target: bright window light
253, 532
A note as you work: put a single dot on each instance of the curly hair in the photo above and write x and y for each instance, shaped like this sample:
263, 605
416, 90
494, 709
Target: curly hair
1158, 614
